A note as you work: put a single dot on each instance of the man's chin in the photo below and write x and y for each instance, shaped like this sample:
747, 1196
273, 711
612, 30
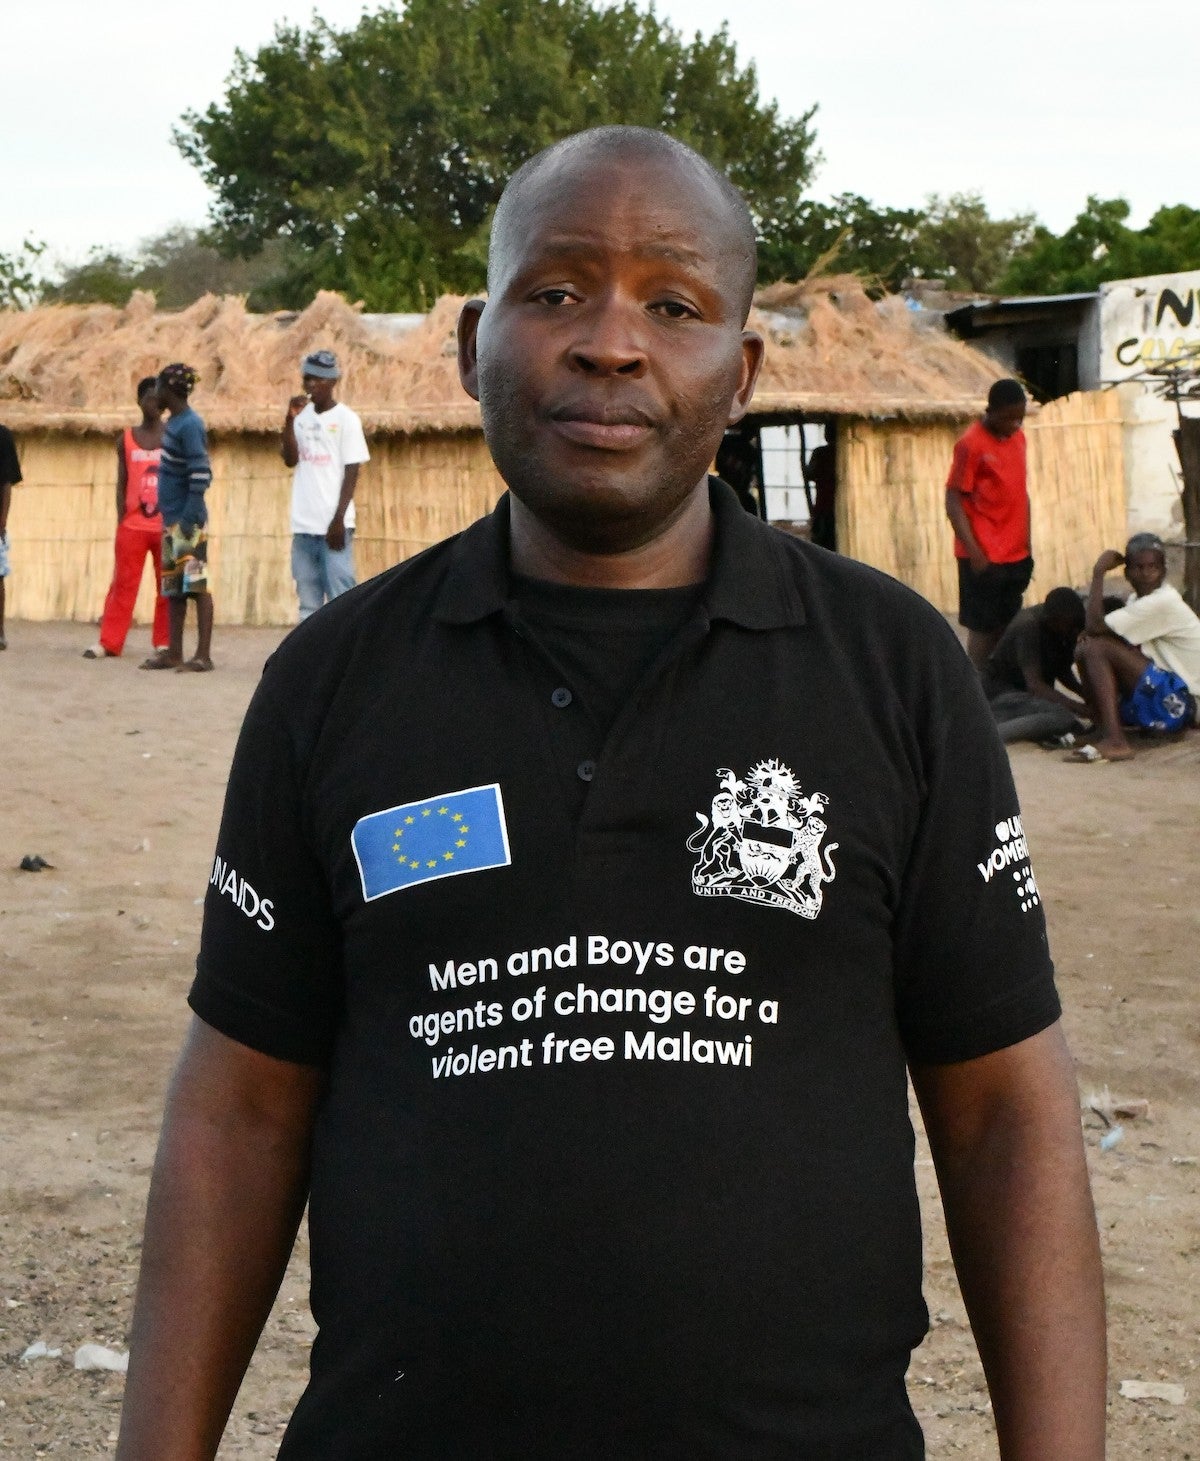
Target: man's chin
604, 511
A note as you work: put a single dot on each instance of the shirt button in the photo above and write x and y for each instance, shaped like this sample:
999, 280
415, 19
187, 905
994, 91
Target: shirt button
561, 697
585, 770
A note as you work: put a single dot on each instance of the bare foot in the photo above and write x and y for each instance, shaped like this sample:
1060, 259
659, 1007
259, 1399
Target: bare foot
161, 661
1115, 750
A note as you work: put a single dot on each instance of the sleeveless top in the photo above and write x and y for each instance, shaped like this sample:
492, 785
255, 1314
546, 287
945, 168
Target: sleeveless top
141, 484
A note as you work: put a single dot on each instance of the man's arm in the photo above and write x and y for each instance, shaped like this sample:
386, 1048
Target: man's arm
1031, 672
335, 534
122, 478
1005, 1135
957, 513
1094, 620
289, 449
229, 1187
5, 503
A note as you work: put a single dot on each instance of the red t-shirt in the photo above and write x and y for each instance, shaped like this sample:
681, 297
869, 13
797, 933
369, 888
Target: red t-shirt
141, 485
990, 474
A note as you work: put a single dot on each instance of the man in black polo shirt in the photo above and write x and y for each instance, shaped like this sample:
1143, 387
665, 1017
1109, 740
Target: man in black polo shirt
585, 888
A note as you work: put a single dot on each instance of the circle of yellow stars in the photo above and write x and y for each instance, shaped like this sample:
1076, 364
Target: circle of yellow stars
461, 830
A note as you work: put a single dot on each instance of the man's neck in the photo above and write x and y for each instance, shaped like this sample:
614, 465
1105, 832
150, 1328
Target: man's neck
328, 406
676, 556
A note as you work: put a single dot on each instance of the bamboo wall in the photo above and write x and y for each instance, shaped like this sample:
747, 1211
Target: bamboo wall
417, 490
414, 491
891, 497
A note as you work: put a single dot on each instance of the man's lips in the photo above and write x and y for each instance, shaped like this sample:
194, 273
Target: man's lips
603, 428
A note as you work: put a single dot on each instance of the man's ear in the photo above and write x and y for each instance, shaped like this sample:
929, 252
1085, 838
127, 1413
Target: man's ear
468, 328
753, 351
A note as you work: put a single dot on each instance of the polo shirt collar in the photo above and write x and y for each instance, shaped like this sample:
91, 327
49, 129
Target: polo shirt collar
751, 582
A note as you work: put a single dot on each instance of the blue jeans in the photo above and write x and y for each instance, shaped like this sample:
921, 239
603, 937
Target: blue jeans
320, 573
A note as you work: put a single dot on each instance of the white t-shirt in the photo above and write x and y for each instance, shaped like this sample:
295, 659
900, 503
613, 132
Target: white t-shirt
1165, 629
328, 442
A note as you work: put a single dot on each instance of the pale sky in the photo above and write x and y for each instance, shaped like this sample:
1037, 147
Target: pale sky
1033, 103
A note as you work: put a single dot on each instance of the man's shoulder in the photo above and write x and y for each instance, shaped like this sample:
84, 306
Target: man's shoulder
846, 597
389, 611
974, 438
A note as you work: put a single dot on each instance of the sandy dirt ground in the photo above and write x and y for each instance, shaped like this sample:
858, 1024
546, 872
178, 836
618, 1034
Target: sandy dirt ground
116, 778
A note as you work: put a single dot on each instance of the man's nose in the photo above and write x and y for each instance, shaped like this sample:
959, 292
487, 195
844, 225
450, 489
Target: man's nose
611, 339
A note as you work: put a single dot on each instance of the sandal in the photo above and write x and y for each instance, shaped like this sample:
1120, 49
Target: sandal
159, 662
195, 665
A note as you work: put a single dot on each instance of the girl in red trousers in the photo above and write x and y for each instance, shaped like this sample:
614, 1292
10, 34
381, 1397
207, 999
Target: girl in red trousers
139, 528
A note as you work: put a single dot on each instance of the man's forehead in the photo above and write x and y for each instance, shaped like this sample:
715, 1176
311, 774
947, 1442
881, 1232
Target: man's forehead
654, 206
585, 172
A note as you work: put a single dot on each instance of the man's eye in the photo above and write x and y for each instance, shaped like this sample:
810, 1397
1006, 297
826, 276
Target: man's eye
554, 296
674, 309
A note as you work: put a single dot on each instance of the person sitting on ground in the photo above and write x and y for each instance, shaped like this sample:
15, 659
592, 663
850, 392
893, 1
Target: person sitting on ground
184, 475
1140, 663
139, 529
1036, 652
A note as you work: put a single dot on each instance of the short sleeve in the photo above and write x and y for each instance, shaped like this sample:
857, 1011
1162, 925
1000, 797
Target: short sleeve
269, 972
354, 443
962, 467
973, 968
1143, 619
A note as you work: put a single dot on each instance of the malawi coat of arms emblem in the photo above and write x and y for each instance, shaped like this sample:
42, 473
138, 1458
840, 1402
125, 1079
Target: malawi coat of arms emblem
764, 841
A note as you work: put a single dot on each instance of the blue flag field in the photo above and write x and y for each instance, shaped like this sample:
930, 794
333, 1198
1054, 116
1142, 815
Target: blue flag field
462, 832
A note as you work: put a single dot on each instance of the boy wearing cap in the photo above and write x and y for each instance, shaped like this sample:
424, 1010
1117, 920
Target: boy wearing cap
323, 441
1141, 663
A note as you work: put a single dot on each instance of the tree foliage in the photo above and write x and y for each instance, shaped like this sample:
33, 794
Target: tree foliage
20, 282
178, 265
1100, 246
383, 149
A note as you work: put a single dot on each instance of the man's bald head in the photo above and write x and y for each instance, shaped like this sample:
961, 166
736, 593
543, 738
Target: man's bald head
629, 146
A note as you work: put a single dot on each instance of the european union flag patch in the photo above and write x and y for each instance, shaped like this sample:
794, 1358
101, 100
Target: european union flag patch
463, 832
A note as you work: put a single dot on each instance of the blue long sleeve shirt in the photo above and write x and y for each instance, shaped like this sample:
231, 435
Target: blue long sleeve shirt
184, 471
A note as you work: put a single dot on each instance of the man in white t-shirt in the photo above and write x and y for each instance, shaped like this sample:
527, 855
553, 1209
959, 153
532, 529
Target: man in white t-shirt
1140, 664
323, 440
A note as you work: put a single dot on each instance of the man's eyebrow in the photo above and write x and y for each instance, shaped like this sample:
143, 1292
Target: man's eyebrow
566, 244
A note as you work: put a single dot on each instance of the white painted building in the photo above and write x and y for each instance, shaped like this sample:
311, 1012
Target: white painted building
1143, 323
1106, 339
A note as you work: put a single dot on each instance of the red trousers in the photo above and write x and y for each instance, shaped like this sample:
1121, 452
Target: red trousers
130, 549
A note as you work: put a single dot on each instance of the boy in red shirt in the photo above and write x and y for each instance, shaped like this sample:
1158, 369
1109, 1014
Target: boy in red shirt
988, 507
139, 529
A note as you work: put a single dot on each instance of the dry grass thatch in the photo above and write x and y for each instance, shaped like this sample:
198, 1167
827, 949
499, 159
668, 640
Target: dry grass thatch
75, 367
833, 351
830, 350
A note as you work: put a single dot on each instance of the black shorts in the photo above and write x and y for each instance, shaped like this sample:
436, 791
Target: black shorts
990, 600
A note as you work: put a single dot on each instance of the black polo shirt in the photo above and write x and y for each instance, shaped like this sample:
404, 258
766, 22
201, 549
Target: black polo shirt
615, 1159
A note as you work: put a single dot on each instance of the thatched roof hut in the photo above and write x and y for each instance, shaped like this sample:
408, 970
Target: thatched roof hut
900, 386
830, 351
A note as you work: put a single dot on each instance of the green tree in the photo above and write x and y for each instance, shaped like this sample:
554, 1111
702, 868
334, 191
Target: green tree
178, 265
382, 149
848, 234
959, 241
1100, 246
20, 283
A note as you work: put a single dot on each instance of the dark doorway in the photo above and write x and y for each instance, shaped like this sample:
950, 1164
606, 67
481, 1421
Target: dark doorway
1049, 371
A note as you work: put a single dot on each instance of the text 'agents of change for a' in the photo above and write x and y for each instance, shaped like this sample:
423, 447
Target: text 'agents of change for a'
582, 997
